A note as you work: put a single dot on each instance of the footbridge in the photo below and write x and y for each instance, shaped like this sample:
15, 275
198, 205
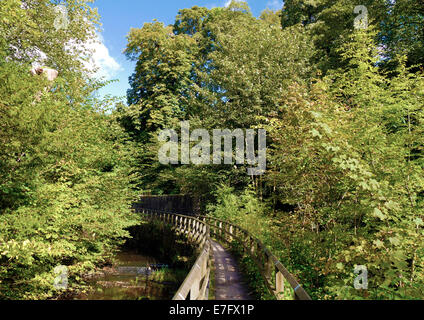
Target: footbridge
208, 233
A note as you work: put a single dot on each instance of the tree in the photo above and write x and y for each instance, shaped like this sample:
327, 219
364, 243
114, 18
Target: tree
330, 23
343, 112
65, 168
402, 32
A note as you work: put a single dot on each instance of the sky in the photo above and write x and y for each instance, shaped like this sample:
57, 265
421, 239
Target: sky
119, 16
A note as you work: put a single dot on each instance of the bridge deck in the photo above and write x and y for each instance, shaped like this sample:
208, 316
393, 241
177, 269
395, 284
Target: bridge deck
229, 283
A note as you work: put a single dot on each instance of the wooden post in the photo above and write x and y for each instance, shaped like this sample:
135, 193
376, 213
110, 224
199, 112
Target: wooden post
181, 225
198, 233
189, 229
231, 232
279, 285
252, 247
204, 235
246, 242
269, 264
220, 229
192, 226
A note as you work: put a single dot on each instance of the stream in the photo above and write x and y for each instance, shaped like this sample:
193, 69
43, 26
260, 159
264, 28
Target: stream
128, 279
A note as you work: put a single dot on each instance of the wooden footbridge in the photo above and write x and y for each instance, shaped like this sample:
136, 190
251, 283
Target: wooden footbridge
200, 230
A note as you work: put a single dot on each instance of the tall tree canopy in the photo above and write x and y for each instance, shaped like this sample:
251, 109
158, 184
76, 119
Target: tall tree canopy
343, 110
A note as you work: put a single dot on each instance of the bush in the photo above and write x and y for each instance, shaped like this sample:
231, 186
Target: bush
65, 182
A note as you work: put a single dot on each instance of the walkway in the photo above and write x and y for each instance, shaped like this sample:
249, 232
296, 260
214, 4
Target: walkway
229, 283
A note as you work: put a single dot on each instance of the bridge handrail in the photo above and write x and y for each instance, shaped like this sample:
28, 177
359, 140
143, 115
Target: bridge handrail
264, 259
196, 285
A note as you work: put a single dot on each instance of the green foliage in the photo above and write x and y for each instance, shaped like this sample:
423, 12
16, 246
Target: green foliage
168, 275
243, 209
330, 23
27, 29
65, 168
161, 78
357, 198
343, 112
400, 32
194, 71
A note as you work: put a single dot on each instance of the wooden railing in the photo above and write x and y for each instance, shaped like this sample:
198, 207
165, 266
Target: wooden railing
199, 229
196, 284
272, 270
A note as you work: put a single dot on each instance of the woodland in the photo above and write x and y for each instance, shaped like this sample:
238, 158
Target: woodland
341, 100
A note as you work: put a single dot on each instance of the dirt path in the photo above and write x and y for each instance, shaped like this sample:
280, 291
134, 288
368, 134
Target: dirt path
229, 283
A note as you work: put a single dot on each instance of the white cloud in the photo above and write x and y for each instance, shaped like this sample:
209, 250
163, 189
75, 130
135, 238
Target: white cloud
227, 3
224, 3
275, 4
107, 67
95, 57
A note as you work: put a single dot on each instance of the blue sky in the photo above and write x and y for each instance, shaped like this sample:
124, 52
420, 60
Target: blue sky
118, 16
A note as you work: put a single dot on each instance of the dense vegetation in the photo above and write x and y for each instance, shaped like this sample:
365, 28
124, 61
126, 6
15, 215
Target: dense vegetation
343, 110
342, 106
64, 161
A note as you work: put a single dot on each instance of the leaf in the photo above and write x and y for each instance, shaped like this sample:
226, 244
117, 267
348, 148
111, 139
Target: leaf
377, 213
395, 241
316, 114
391, 205
419, 222
315, 133
379, 244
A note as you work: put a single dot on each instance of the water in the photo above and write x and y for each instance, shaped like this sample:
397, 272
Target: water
128, 279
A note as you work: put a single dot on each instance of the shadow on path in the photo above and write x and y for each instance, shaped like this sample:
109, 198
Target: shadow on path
229, 284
